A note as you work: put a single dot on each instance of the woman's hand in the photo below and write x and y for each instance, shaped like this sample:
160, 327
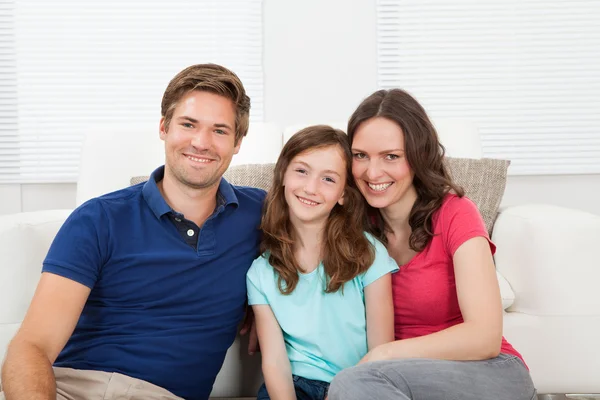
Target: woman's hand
379, 353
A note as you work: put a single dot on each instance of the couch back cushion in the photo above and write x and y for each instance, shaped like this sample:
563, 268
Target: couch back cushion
483, 180
24, 241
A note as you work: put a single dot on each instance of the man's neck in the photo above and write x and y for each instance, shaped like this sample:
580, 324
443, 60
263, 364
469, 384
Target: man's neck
195, 204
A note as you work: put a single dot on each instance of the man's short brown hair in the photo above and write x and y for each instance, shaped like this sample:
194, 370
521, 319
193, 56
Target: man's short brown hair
210, 78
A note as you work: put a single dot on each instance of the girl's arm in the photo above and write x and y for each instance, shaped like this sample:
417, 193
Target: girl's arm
275, 363
380, 311
479, 337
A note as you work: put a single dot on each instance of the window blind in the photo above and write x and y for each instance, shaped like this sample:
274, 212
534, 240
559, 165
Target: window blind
526, 71
71, 65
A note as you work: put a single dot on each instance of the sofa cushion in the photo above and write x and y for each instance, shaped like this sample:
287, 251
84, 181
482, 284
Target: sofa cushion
138, 179
253, 175
484, 181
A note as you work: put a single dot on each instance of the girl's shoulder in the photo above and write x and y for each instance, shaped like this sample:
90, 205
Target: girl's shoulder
383, 263
261, 264
378, 246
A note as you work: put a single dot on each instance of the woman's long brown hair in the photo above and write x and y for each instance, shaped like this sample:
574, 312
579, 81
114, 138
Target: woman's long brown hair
346, 251
425, 156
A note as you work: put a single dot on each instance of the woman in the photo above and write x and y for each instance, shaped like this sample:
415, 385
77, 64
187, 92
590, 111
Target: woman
447, 306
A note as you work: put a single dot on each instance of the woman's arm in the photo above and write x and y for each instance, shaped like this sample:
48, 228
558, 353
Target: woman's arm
275, 363
380, 311
479, 337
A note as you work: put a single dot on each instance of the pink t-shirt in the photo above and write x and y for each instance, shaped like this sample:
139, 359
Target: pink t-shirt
424, 290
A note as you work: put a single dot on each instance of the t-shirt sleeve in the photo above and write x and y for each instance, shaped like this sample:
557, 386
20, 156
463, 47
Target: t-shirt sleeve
256, 294
79, 249
460, 222
383, 263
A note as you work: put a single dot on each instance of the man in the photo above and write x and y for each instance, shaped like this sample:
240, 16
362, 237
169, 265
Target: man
143, 289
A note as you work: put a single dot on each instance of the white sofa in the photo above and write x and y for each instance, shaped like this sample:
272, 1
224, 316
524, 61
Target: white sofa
547, 255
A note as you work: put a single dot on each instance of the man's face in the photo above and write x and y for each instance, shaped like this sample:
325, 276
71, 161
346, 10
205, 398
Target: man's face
200, 140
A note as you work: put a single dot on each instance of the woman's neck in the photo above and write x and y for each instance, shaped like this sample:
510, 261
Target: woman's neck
397, 215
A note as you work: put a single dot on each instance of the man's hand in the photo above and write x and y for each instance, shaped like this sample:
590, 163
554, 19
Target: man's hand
249, 327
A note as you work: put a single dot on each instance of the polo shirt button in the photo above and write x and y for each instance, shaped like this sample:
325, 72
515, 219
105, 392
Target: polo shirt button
190, 232
178, 219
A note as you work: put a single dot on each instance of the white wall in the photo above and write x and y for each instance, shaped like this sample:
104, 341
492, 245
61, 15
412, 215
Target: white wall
320, 59
319, 62
581, 192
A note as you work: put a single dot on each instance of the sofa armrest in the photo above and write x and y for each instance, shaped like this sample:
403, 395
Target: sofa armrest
549, 256
24, 242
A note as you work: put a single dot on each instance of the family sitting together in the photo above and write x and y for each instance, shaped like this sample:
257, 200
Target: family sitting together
368, 272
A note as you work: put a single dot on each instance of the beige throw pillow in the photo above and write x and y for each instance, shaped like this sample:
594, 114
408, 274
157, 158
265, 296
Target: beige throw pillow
483, 179
253, 175
138, 179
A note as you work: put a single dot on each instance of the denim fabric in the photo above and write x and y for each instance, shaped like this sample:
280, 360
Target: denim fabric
502, 378
306, 389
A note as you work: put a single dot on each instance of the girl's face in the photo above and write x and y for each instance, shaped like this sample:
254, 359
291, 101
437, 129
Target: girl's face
314, 183
379, 165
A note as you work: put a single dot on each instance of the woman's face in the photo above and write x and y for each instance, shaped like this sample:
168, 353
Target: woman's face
379, 165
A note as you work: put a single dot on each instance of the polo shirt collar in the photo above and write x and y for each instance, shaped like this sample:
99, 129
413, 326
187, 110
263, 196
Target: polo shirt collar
152, 195
227, 194
158, 205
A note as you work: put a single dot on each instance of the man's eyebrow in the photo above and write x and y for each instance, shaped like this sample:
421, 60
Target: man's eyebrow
188, 119
221, 125
195, 121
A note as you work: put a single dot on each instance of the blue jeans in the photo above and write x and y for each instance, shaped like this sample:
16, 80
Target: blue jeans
306, 389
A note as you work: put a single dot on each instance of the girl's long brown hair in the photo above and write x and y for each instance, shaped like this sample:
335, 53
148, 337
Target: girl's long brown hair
425, 156
346, 251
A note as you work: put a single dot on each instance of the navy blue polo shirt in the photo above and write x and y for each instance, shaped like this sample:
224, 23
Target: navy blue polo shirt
163, 307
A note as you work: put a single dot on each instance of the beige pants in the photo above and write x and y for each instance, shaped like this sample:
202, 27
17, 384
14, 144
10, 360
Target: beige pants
75, 384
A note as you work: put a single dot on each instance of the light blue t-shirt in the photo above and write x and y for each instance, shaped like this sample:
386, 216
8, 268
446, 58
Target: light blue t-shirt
323, 332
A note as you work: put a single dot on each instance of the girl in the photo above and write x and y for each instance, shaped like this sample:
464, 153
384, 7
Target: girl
321, 291
448, 314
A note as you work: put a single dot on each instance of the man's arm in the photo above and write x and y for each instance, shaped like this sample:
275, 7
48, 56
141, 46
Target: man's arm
49, 322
